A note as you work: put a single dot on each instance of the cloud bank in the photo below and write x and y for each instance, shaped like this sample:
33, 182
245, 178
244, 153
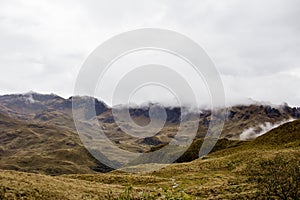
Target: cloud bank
255, 45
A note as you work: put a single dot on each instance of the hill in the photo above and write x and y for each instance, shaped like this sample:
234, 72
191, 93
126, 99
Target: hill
40, 148
221, 175
38, 132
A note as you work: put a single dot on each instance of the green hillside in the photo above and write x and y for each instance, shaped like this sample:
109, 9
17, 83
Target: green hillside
226, 173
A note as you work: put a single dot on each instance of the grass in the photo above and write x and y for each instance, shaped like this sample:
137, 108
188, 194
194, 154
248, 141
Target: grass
277, 178
223, 174
212, 178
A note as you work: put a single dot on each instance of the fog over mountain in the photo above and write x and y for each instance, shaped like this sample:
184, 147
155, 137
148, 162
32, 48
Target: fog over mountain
254, 44
149, 99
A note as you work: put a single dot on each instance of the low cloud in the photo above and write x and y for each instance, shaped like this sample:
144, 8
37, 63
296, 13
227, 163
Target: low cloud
254, 132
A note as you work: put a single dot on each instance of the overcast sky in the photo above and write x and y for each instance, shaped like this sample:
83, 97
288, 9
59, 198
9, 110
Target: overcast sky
254, 44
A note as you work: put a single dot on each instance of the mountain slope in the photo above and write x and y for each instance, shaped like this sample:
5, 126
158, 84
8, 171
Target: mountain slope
38, 134
39, 148
221, 175
287, 135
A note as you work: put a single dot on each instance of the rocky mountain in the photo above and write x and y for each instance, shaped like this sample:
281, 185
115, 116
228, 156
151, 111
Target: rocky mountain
27, 106
38, 132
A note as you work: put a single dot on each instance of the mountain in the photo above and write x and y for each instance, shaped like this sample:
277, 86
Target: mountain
28, 106
224, 174
34, 147
38, 132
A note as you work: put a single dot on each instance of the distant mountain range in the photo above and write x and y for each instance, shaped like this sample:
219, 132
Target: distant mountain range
38, 134
226, 173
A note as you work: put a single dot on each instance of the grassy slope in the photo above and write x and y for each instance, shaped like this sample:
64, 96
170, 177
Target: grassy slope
40, 148
220, 175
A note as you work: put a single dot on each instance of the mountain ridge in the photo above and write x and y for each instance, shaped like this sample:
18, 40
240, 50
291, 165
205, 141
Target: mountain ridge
48, 120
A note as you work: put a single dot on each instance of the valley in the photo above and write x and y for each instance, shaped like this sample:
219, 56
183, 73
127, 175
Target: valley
42, 156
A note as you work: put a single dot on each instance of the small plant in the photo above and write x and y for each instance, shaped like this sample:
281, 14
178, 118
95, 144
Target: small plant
127, 194
164, 194
2, 192
278, 178
109, 195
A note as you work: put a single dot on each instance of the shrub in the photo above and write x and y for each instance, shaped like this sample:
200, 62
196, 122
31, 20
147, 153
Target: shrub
278, 178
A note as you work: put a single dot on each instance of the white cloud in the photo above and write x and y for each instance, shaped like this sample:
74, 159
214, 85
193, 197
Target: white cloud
252, 133
254, 44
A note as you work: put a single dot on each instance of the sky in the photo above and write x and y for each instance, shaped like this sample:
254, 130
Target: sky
255, 45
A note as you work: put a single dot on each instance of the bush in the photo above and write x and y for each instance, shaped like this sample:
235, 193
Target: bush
278, 178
